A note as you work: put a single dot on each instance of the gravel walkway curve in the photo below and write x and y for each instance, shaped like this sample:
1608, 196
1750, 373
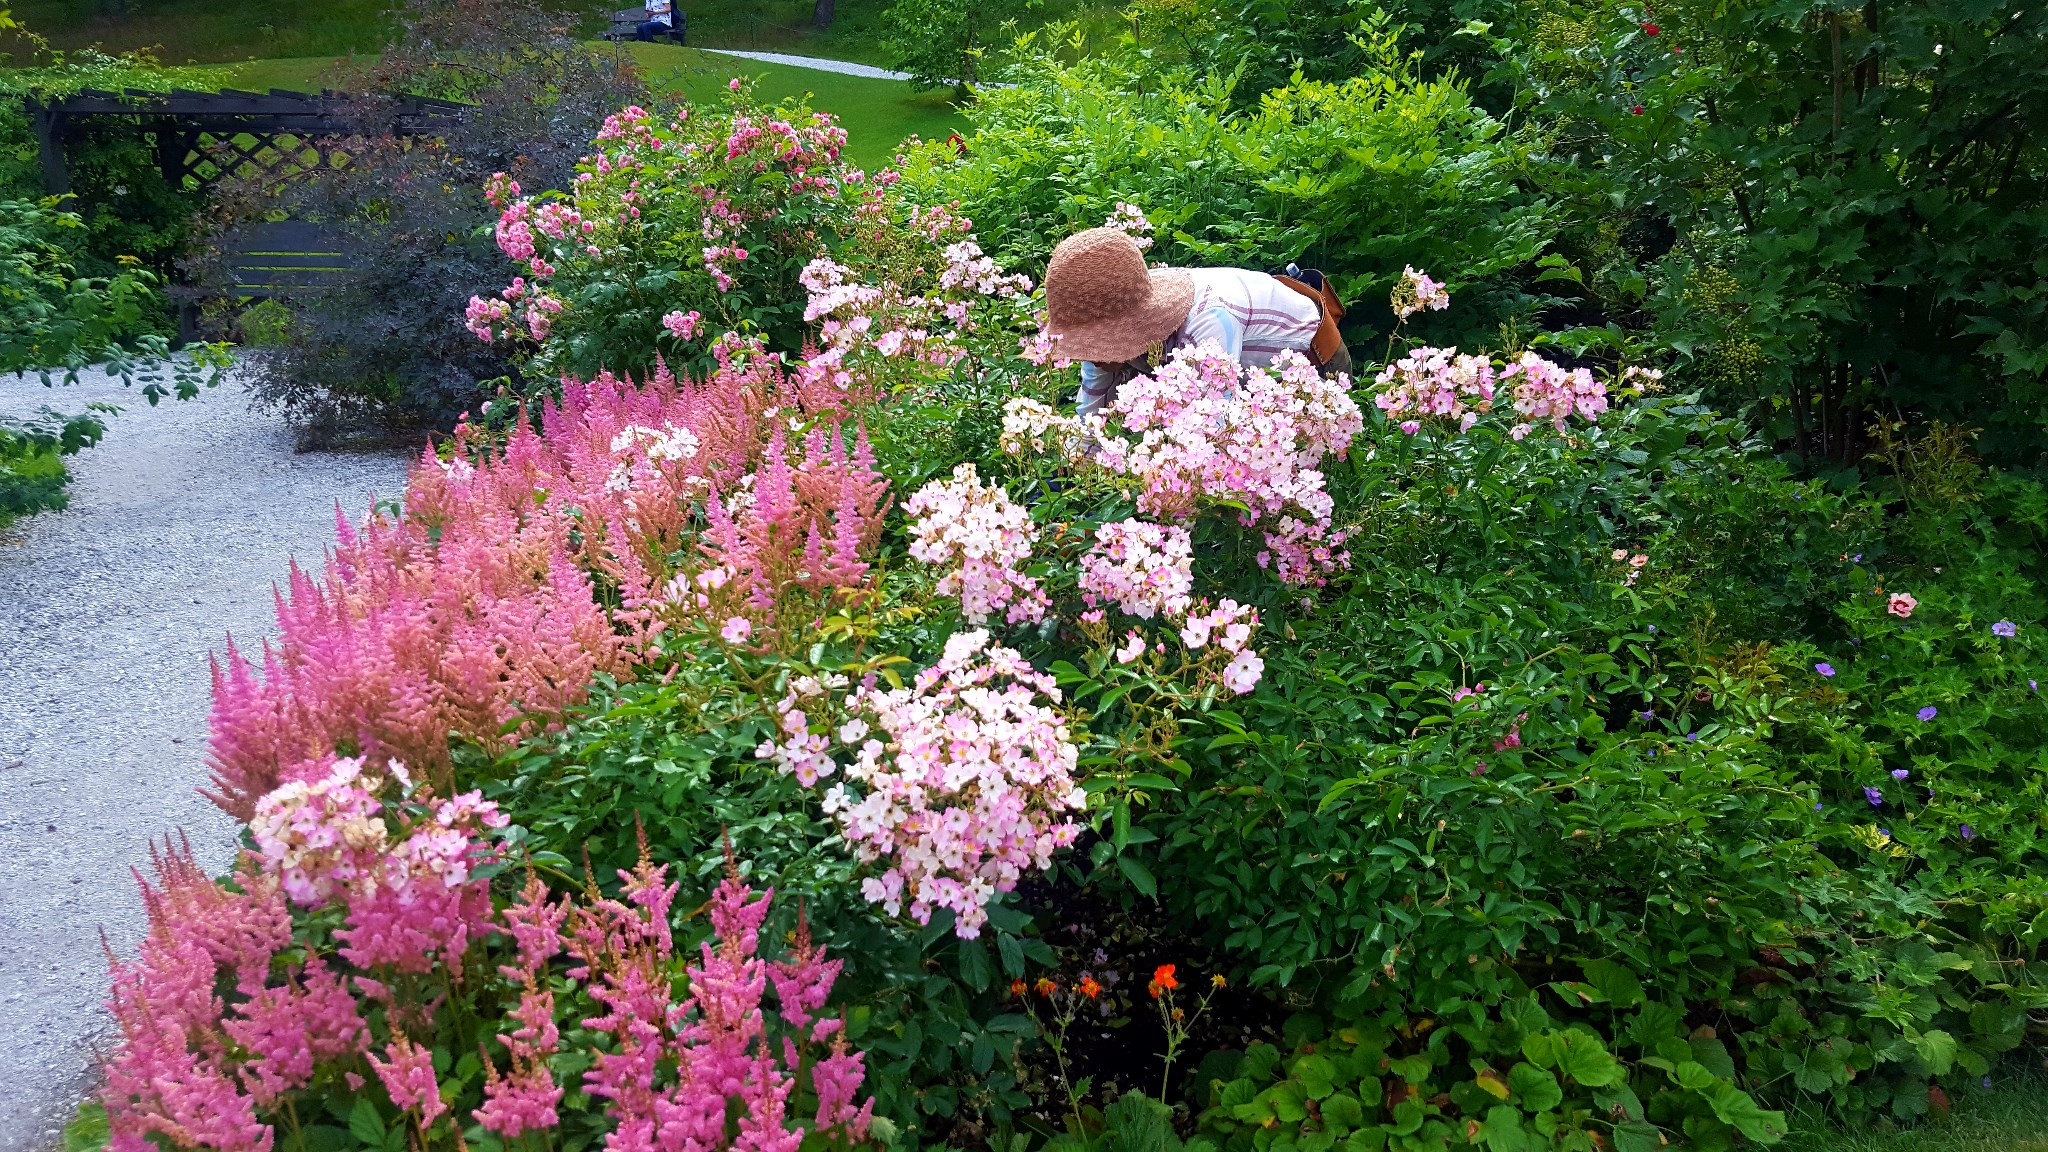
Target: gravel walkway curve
180, 522
816, 63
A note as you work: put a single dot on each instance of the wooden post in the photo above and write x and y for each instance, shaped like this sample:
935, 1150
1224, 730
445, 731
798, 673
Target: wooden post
49, 127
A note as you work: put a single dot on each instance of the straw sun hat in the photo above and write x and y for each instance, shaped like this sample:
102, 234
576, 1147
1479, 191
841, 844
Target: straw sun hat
1104, 304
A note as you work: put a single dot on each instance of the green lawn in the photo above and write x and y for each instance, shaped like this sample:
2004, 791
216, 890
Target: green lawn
2011, 1117
877, 113
215, 31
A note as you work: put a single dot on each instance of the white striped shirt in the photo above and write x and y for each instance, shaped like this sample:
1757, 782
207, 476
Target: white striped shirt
1253, 316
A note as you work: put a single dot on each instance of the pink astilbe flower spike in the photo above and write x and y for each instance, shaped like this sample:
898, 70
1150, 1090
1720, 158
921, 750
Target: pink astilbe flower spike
804, 980
168, 1075
287, 1029
475, 613
407, 1072
835, 1079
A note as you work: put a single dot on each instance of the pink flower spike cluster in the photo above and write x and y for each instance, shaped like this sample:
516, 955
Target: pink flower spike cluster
1145, 569
1436, 383
716, 1039
961, 783
1199, 429
196, 1069
474, 613
1415, 291
802, 519
983, 538
525, 1098
1545, 391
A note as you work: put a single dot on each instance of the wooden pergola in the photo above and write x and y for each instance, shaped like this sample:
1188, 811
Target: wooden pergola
208, 136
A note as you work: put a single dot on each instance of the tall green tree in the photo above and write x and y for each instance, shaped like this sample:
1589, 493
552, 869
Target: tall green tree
1837, 212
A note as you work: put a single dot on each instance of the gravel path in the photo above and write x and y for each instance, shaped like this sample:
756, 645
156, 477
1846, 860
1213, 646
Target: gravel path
819, 63
180, 521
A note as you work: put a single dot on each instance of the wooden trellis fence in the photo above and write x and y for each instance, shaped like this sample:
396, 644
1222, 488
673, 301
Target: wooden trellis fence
201, 138
208, 136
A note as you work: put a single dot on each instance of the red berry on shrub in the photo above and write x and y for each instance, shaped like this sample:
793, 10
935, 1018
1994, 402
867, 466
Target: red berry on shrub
1649, 29
1637, 110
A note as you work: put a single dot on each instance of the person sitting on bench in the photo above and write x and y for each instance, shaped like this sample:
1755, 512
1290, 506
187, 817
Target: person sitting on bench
660, 21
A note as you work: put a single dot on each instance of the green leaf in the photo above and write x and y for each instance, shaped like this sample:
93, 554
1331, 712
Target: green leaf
1936, 1049
1539, 1090
1139, 875
1735, 1107
1504, 1130
1693, 1076
1617, 983
1343, 1112
365, 1124
1289, 1102
1637, 1136
1713, 1056
1414, 1069
1582, 1057
1317, 1075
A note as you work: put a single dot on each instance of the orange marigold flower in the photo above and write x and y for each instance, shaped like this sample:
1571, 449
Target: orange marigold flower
1017, 988
1163, 976
1046, 987
1217, 981
1090, 988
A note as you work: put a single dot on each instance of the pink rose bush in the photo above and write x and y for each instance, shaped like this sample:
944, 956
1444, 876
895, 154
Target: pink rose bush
1201, 433
705, 215
980, 537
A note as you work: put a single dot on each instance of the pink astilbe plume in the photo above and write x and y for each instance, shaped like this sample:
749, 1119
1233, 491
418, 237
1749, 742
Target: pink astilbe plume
475, 614
287, 1029
806, 519
170, 1074
717, 1037
407, 1071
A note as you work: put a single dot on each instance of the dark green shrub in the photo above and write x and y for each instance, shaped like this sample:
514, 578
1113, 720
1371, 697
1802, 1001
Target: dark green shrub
384, 348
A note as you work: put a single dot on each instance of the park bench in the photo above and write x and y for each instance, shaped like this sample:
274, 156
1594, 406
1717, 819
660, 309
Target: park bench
267, 260
626, 20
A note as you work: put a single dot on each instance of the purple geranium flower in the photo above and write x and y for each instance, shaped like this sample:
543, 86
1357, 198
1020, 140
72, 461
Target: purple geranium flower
1900, 773
1824, 668
1875, 797
1969, 833
2005, 628
1928, 713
